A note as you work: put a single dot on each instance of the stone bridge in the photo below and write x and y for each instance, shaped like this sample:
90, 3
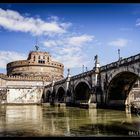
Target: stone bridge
107, 86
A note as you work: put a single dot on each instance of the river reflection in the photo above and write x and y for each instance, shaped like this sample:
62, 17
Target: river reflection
35, 120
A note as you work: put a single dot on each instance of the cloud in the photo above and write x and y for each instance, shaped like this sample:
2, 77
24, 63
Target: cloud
71, 57
51, 43
138, 22
79, 40
69, 50
71, 60
9, 56
119, 42
14, 21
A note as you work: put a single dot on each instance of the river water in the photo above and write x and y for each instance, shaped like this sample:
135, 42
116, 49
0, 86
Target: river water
40, 121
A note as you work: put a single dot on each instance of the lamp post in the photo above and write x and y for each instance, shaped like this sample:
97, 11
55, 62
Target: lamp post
119, 53
68, 71
83, 68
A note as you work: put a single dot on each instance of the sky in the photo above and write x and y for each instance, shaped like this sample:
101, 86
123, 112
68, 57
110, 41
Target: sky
72, 33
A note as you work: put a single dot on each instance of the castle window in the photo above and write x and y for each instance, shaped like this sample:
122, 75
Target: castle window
41, 61
48, 59
39, 57
43, 57
34, 58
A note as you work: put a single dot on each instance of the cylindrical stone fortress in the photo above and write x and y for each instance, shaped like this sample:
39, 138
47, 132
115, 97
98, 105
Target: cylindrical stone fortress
38, 64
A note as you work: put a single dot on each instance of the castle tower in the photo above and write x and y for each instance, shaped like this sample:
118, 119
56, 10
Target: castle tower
38, 64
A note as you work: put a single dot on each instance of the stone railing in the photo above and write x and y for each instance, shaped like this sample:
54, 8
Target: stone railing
60, 81
82, 74
121, 62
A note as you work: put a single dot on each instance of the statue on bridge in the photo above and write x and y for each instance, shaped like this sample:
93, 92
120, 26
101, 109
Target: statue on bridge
96, 61
96, 58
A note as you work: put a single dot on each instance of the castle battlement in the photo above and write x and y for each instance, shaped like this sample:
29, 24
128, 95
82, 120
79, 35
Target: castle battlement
25, 78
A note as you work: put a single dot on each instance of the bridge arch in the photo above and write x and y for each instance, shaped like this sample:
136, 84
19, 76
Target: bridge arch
60, 94
82, 81
119, 87
124, 69
46, 96
82, 92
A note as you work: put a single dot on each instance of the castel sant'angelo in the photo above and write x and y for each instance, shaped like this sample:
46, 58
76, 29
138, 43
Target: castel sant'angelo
38, 65
26, 79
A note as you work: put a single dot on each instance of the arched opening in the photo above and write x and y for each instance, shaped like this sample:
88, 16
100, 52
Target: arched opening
46, 96
60, 94
82, 93
119, 88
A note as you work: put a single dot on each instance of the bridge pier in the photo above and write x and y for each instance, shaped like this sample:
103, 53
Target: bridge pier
128, 109
60, 104
46, 104
92, 105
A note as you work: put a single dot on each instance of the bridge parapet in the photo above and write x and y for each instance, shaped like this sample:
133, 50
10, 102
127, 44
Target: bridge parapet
82, 74
56, 83
60, 82
121, 62
49, 85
